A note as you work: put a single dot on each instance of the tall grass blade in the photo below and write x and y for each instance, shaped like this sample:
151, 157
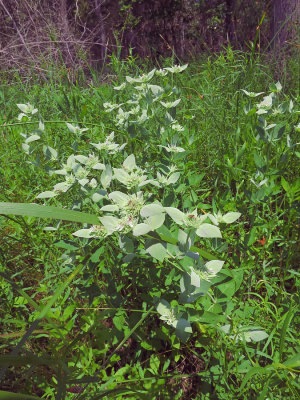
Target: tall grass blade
16, 396
38, 211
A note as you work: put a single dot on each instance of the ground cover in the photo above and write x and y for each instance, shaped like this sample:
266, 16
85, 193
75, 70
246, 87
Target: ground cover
186, 287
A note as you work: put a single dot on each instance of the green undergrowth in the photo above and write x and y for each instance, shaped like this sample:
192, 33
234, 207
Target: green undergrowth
158, 261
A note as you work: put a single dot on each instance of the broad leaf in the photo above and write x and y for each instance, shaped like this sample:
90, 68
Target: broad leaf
208, 231
32, 138
183, 329
231, 217
83, 233
118, 197
173, 178
110, 223
176, 215
156, 249
255, 336
156, 221
151, 209
46, 195
129, 163
126, 244
214, 266
164, 307
97, 196
110, 208
106, 176
141, 229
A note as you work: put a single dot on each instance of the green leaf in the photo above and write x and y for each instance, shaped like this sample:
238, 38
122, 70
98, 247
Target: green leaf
214, 265
231, 217
129, 163
183, 329
46, 195
26, 147
195, 278
156, 90
250, 373
213, 318
16, 396
32, 138
285, 185
172, 240
110, 223
164, 307
293, 362
110, 208
156, 249
154, 364
259, 161
83, 233
141, 229
156, 221
173, 178
176, 215
118, 197
97, 196
151, 210
38, 211
283, 333
126, 244
228, 282
185, 241
50, 153
208, 231
120, 175
106, 176
256, 336
251, 237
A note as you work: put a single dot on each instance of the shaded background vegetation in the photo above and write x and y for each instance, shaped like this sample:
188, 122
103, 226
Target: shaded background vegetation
76, 33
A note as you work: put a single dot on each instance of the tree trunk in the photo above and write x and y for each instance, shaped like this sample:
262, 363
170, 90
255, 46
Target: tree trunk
230, 20
101, 30
285, 17
65, 32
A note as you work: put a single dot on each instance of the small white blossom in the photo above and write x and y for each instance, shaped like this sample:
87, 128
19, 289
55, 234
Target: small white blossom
27, 111
177, 128
122, 86
109, 145
98, 231
172, 148
142, 78
251, 94
70, 179
126, 224
170, 104
176, 68
192, 220
76, 129
81, 173
161, 72
93, 183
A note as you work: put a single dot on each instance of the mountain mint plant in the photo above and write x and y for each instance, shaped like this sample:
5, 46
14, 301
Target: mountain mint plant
129, 197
